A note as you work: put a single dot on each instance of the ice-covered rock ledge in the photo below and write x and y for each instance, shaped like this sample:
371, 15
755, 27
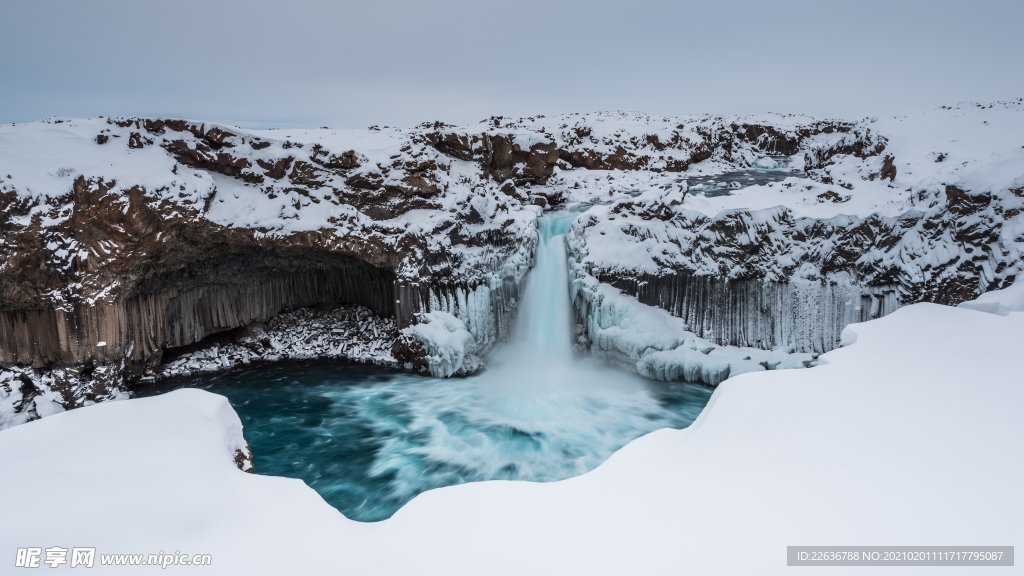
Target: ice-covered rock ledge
906, 436
657, 344
27, 393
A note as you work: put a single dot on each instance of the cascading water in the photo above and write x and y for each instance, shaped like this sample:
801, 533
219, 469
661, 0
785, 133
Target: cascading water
542, 333
369, 439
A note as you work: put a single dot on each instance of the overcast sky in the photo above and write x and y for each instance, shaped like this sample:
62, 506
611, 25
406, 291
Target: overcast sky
352, 64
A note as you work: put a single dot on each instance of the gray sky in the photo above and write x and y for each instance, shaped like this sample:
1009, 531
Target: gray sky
352, 64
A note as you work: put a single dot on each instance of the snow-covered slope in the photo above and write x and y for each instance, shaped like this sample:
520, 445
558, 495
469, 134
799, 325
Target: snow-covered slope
880, 444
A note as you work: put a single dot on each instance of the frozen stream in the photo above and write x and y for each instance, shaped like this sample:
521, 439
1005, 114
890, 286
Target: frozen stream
368, 439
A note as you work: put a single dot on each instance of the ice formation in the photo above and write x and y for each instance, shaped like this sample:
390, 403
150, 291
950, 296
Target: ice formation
447, 342
660, 345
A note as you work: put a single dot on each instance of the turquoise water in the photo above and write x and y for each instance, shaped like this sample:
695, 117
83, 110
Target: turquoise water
369, 440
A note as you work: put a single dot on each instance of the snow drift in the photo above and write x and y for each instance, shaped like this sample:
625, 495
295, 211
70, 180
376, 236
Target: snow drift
880, 443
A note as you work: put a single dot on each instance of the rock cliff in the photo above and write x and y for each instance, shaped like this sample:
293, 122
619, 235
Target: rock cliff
127, 240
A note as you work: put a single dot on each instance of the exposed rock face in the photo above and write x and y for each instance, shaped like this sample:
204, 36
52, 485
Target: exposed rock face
190, 230
527, 150
502, 156
182, 310
151, 280
28, 393
745, 277
797, 314
243, 459
124, 241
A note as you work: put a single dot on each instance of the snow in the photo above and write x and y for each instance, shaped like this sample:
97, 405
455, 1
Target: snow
834, 244
879, 444
1000, 302
40, 161
981, 151
446, 340
473, 270
349, 333
907, 435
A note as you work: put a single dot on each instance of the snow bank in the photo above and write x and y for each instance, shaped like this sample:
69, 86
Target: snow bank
1000, 302
880, 444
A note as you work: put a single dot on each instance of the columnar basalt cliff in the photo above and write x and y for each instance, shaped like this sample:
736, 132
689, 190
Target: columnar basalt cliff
124, 239
198, 281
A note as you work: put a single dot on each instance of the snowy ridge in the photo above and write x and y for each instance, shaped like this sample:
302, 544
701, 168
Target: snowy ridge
633, 140
126, 237
891, 212
822, 475
1000, 302
121, 239
275, 182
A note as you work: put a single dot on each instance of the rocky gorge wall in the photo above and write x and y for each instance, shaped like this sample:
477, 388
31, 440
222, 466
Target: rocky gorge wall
121, 239
164, 314
157, 234
797, 314
881, 215
769, 279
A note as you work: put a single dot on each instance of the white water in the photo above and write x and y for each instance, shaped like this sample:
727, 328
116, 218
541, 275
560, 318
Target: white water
542, 336
537, 385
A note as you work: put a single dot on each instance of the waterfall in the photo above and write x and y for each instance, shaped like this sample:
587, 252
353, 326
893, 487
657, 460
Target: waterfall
537, 412
542, 335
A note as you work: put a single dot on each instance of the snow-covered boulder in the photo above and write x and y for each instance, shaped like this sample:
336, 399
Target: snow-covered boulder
439, 344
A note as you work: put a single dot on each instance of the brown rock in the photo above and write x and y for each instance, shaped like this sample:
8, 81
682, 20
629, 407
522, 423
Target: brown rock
276, 169
888, 170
